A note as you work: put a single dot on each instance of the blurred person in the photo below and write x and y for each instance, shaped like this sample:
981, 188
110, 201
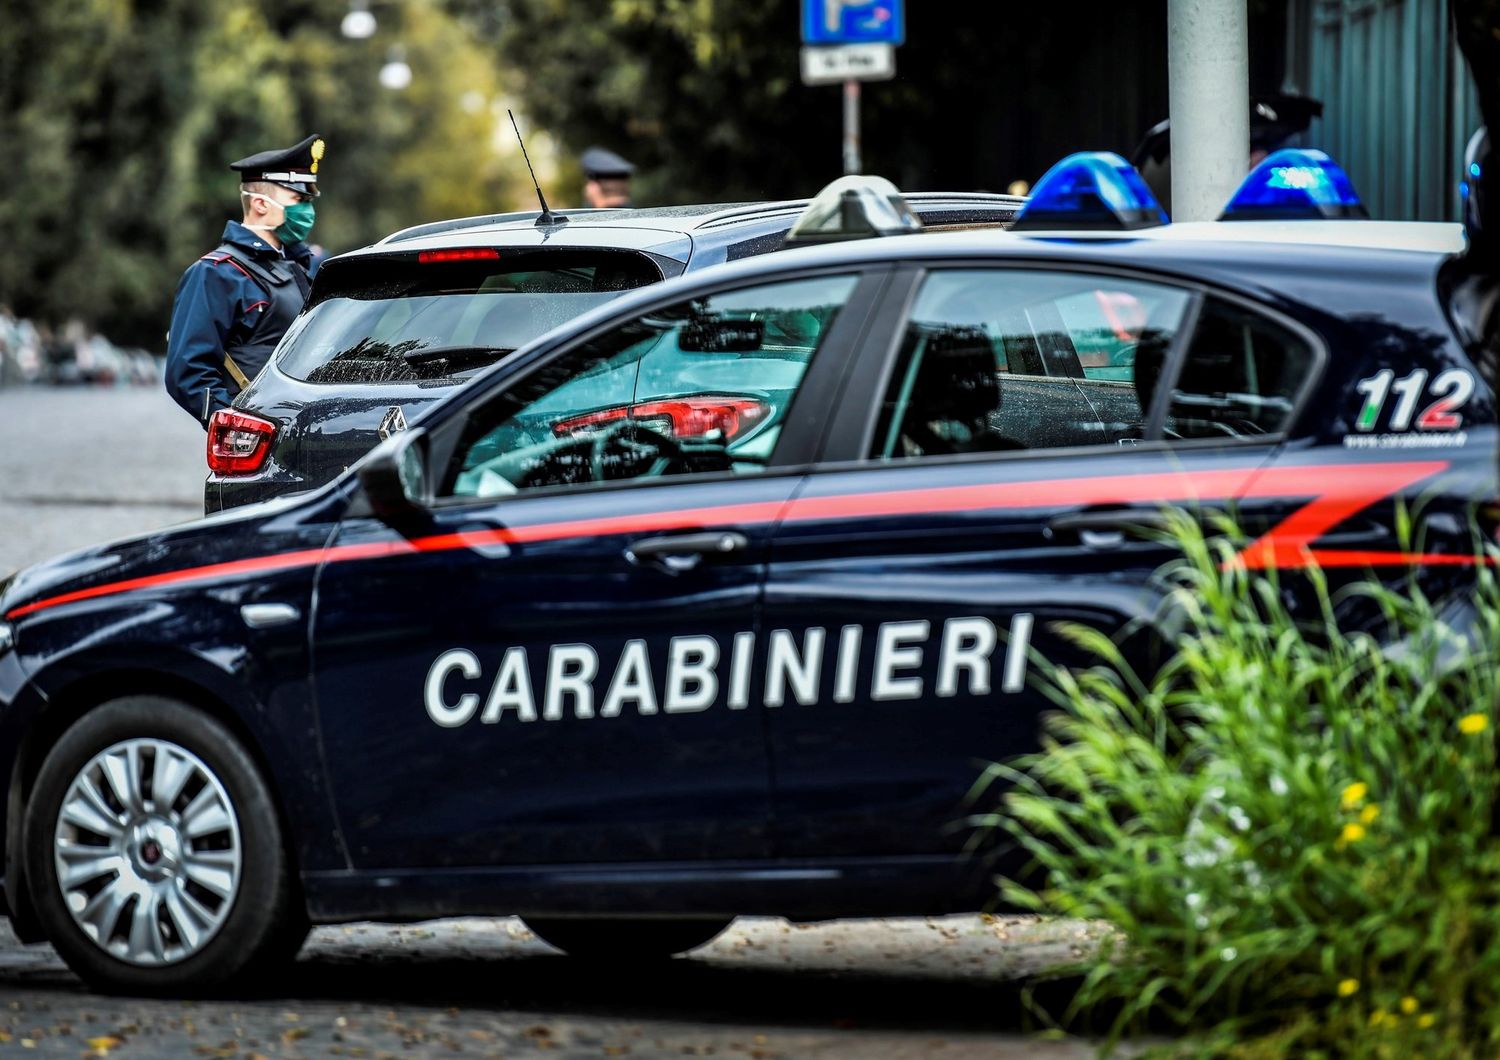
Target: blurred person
1274, 121
606, 179
1474, 276
234, 304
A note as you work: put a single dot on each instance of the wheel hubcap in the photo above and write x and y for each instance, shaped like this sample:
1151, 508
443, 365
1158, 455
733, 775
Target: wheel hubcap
147, 850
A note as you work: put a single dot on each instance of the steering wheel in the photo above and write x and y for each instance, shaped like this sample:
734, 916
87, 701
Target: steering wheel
633, 440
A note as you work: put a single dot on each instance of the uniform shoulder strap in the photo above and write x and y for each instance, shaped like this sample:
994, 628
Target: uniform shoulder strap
266, 275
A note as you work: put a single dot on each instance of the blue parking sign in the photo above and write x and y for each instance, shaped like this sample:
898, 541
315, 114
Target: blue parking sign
853, 22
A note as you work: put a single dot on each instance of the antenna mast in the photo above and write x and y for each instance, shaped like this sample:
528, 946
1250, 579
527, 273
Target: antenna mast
548, 218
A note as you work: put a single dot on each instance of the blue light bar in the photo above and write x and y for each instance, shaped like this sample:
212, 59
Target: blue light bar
1295, 184
1091, 190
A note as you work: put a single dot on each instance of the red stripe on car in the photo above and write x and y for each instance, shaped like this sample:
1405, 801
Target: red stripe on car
1338, 491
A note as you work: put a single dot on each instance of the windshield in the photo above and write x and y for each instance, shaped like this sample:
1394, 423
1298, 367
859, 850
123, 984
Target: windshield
379, 320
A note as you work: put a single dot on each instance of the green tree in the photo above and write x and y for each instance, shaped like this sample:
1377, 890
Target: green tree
119, 119
706, 95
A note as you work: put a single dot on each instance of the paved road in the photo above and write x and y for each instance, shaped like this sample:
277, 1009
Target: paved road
766, 988
81, 466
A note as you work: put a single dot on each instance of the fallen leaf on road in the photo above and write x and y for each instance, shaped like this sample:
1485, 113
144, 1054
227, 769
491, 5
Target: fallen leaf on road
104, 1043
292, 1034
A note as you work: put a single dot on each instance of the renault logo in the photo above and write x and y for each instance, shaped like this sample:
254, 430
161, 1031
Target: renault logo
393, 422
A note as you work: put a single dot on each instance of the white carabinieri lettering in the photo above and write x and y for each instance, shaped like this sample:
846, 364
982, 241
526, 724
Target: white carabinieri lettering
794, 668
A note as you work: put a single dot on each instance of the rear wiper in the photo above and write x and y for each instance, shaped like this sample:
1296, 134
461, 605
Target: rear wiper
457, 354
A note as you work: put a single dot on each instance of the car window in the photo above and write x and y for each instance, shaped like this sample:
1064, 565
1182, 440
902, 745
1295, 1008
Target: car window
996, 359
701, 386
384, 319
1240, 377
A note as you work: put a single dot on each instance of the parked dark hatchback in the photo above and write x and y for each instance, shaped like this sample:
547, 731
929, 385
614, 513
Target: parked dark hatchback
393, 327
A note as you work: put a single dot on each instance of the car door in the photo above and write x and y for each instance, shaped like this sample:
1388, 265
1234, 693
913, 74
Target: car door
550, 669
1009, 453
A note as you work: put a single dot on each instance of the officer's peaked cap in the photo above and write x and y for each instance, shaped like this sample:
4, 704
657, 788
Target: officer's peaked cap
296, 167
601, 162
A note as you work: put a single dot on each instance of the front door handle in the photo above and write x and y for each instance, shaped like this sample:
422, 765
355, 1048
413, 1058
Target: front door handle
676, 553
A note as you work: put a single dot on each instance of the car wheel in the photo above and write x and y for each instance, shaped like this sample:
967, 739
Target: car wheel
154, 852
625, 939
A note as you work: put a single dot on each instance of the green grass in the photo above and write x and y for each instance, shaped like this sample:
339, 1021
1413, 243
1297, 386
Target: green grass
1290, 828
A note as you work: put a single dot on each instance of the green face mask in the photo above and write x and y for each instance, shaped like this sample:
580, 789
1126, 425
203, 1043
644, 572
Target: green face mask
297, 224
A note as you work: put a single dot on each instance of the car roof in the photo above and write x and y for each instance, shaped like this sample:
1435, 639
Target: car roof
1239, 246
1434, 237
1356, 271
685, 219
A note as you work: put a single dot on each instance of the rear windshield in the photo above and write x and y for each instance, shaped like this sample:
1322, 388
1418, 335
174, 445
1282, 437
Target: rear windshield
376, 320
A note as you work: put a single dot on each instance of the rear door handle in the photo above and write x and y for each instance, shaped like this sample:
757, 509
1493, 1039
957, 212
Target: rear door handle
1105, 528
676, 553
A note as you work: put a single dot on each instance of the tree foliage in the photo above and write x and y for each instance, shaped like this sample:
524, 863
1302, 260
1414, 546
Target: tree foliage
119, 118
706, 95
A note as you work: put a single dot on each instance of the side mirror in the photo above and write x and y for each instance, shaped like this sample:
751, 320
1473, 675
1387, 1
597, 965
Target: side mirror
394, 477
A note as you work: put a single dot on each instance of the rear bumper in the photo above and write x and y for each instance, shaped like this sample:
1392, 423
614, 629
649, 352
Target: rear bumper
223, 492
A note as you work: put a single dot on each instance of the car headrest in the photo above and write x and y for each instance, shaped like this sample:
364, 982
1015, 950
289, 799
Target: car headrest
957, 379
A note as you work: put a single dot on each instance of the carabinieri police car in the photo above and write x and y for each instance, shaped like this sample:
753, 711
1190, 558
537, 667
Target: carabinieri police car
718, 599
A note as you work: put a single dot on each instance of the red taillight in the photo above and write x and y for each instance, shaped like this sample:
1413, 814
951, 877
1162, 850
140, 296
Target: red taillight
680, 417
238, 443
428, 257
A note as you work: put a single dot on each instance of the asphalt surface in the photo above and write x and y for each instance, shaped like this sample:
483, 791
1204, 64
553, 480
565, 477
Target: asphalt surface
79, 466
82, 465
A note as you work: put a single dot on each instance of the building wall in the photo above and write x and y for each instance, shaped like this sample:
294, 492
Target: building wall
1399, 104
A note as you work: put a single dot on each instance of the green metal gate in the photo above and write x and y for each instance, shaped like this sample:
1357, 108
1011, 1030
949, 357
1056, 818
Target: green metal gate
1399, 103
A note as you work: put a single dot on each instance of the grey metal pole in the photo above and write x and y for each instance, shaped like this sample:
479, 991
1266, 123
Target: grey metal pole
851, 127
1208, 72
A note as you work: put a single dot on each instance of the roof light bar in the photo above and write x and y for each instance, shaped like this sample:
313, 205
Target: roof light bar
1091, 190
1296, 184
854, 207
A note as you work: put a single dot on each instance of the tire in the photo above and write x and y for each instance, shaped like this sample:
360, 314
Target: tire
182, 896
625, 939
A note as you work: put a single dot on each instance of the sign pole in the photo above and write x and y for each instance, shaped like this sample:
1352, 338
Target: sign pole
851, 127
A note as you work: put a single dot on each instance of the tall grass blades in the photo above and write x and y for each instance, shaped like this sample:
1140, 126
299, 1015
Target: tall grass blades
1290, 826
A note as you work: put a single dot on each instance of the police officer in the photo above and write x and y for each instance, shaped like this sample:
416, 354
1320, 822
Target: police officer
607, 179
234, 304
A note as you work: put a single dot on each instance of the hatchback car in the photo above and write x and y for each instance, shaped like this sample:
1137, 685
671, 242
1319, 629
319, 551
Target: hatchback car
630, 652
393, 328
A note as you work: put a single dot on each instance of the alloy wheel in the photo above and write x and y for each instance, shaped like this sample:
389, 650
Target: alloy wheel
148, 853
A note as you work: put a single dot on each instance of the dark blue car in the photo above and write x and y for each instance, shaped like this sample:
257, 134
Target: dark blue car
629, 643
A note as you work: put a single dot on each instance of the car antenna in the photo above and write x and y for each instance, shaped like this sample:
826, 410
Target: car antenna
548, 218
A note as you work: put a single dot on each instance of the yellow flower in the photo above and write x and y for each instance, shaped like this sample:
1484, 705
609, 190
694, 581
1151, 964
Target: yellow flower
1426, 1020
1379, 1017
1369, 813
1473, 724
1409, 1005
1352, 833
1355, 793
1348, 987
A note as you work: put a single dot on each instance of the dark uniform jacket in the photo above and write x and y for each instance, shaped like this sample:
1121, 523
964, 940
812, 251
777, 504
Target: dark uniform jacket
233, 306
